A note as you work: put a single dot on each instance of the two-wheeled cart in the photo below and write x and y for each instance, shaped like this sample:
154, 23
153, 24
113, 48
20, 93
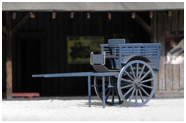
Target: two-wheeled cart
124, 73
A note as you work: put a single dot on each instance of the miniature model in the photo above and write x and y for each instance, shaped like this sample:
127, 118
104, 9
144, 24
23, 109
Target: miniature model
124, 73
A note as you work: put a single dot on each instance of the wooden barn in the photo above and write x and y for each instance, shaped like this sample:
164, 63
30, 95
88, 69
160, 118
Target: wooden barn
36, 36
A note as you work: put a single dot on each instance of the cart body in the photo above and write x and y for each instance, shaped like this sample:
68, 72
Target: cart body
122, 53
123, 72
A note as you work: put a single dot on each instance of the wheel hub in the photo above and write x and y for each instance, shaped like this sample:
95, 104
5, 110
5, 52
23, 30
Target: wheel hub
137, 83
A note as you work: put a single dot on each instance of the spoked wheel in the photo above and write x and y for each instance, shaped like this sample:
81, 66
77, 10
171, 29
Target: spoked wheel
111, 93
140, 83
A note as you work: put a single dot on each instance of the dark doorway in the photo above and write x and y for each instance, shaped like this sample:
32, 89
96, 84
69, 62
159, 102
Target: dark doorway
30, 63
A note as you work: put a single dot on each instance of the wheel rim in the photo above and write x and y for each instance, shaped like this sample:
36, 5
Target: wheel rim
111, 94
140, 83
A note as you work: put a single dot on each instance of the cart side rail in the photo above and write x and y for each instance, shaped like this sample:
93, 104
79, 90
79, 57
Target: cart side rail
151, 51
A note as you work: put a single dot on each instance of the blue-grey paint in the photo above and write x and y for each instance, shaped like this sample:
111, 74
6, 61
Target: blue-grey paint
148, 54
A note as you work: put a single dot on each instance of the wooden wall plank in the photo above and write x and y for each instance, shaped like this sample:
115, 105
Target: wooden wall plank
181, 28
3, 58
40, 27
175, 68
181, 86
176, 77
8, 57
106, 26
168, 67
68, 27
14, 56
154, 40
61, 50
74, 67
48, 60
19, 15
181, 20
54, 53
160, 34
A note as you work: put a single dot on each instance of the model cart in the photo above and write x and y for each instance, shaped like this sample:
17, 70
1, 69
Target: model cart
124, 73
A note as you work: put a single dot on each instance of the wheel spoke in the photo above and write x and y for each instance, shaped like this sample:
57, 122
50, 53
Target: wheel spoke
146, 86
99, 85
134, 83
137, 70
108, 94
145, 75
136, 97
105, 90
132, 95
113, 92
147, 80
117, 94
125, 83
142, 70
126, 80
129, 75
144, 91
128, 91
132, 72
141, 95
127, 86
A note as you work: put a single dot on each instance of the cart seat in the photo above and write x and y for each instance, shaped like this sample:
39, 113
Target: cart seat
101, 68
98, 63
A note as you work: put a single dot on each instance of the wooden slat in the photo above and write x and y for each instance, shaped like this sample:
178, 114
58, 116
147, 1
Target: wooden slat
61, 51
181, 20
54, 53
19, 80
181, 28
154, 40
168, 67
48, 64
74, 67
68, 26
181, 86
40, 26
106, 26
176, 68
81, 67
8, 57
169, 94
176, 77
3, 65
160, 34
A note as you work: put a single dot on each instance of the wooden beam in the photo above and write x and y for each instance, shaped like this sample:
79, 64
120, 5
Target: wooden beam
4, 29
8, 57
20, 23
169, 94
141, 22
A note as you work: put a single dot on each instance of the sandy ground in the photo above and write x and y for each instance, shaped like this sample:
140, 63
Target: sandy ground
76, 108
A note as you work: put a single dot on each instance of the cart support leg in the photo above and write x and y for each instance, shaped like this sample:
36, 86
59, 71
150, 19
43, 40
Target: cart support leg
89, 90
103, 86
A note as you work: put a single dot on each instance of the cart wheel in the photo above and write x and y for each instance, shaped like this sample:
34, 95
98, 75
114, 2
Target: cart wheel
140, 83
111, 94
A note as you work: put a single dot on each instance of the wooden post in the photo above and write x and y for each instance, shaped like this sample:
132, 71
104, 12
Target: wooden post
9, 32
141, 22
8, 57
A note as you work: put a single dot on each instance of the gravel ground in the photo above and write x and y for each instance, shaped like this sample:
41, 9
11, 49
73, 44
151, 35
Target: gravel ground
76, 108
